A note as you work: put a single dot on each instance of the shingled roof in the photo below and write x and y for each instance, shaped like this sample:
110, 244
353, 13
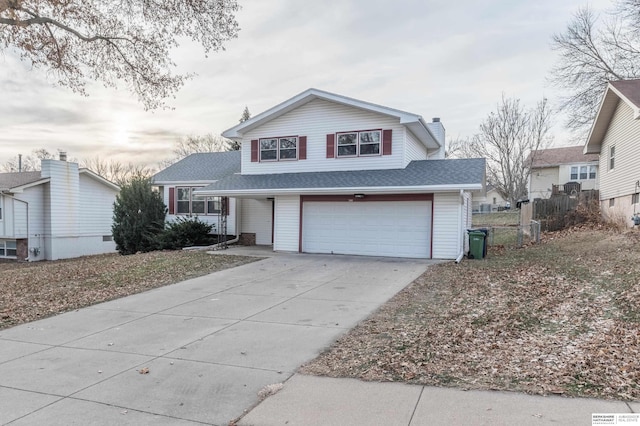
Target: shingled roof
15, 179
556, 156
448, 174
201, 167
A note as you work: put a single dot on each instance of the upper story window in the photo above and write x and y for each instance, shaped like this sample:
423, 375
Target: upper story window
277, 149
583, 172
188, 203
612, 157
352, 144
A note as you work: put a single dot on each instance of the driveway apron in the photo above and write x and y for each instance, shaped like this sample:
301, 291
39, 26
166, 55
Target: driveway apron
196, 352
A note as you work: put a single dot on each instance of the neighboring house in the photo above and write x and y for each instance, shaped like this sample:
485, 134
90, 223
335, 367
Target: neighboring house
614, 136
57, 213
178, 182
488, 202
552, 169
324, 173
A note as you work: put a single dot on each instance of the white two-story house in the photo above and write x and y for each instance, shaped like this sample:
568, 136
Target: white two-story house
324, 173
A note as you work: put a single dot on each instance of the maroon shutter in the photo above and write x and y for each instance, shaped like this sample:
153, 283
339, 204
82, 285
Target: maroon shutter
302, 148
386, 142
331, 146
172, 200
254, 150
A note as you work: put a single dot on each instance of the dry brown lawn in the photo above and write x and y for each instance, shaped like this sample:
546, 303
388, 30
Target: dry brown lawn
30, 291
562, 317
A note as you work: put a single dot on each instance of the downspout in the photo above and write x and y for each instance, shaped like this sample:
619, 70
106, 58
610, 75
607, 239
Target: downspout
461, 255
26, 203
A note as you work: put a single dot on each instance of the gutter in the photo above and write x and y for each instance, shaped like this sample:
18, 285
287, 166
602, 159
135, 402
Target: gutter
333, 191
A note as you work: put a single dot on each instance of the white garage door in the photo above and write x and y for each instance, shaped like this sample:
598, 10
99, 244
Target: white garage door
377, 228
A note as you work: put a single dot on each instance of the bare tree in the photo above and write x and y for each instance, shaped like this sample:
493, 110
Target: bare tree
592, 52
28, 163
127, 41
460, 148
507, 136
193, 144
117, 172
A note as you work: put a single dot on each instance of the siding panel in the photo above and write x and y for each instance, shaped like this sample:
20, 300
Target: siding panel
315, 120
256, 219
287, 223
446, 225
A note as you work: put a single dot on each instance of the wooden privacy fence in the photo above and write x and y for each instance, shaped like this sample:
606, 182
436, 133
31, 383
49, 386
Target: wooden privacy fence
555, 213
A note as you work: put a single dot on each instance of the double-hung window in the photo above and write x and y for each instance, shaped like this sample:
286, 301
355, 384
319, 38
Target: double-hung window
574, 172
278, 149
592, 172
583, 173
612, 157
188, 203
363, 143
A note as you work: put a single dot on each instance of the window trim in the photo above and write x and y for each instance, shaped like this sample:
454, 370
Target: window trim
3, 249
576, 174
279, 140
359, 143
204, 199
635, 198
612, 202
612, 157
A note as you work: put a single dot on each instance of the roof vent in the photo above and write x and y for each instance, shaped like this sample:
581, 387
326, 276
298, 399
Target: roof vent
436, 119
63, 156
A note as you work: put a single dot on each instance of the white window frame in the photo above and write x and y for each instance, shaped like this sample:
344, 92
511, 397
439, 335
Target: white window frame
612, 157
204, 199
279, 149
576, 174
584, 171
359, 143
593, 170
4, 249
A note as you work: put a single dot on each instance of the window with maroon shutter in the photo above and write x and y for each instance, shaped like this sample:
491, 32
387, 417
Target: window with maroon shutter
386, 142
172, 200
254, 150
302, 148
331, 145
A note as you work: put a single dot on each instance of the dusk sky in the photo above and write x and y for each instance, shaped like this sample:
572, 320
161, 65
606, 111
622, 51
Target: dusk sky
451, 60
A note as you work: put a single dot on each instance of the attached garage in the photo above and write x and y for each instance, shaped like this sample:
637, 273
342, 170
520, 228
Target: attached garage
394, 226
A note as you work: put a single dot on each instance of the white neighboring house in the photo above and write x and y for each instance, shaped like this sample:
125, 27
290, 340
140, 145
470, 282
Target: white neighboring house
324, 173
561, 168
178, 182
490, 201
57, 213
614, 136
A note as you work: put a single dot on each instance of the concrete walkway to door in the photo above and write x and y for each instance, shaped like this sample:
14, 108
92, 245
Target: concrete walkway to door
194, 352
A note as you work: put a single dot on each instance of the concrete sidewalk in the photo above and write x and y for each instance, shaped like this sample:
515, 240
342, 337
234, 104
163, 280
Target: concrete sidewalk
196, 352
321, 401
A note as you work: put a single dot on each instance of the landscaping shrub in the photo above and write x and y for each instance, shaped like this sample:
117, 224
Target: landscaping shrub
186, 232
138, 217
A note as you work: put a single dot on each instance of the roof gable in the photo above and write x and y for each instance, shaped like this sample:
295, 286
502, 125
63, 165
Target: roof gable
412, 121
557, 156
627, 91
201, 167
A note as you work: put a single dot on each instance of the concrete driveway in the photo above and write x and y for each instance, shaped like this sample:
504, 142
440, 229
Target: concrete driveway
194, 352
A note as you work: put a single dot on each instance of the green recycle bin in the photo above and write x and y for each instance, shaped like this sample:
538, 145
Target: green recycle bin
476, 244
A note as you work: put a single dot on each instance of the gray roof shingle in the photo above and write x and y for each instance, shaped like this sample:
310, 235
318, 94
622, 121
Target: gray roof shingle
201, 167
417, 173
11, 180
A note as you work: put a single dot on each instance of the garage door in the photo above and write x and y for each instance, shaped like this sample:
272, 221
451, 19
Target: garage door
375, 228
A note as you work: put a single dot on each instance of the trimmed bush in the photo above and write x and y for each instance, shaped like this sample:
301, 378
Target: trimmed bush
186, 232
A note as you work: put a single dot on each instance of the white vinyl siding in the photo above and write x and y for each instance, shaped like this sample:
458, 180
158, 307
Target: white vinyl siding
446, 225
624, 133
287, 223
315, 120
541, 181
96, 205
213, 219
413, 149
378, 228
256, 219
